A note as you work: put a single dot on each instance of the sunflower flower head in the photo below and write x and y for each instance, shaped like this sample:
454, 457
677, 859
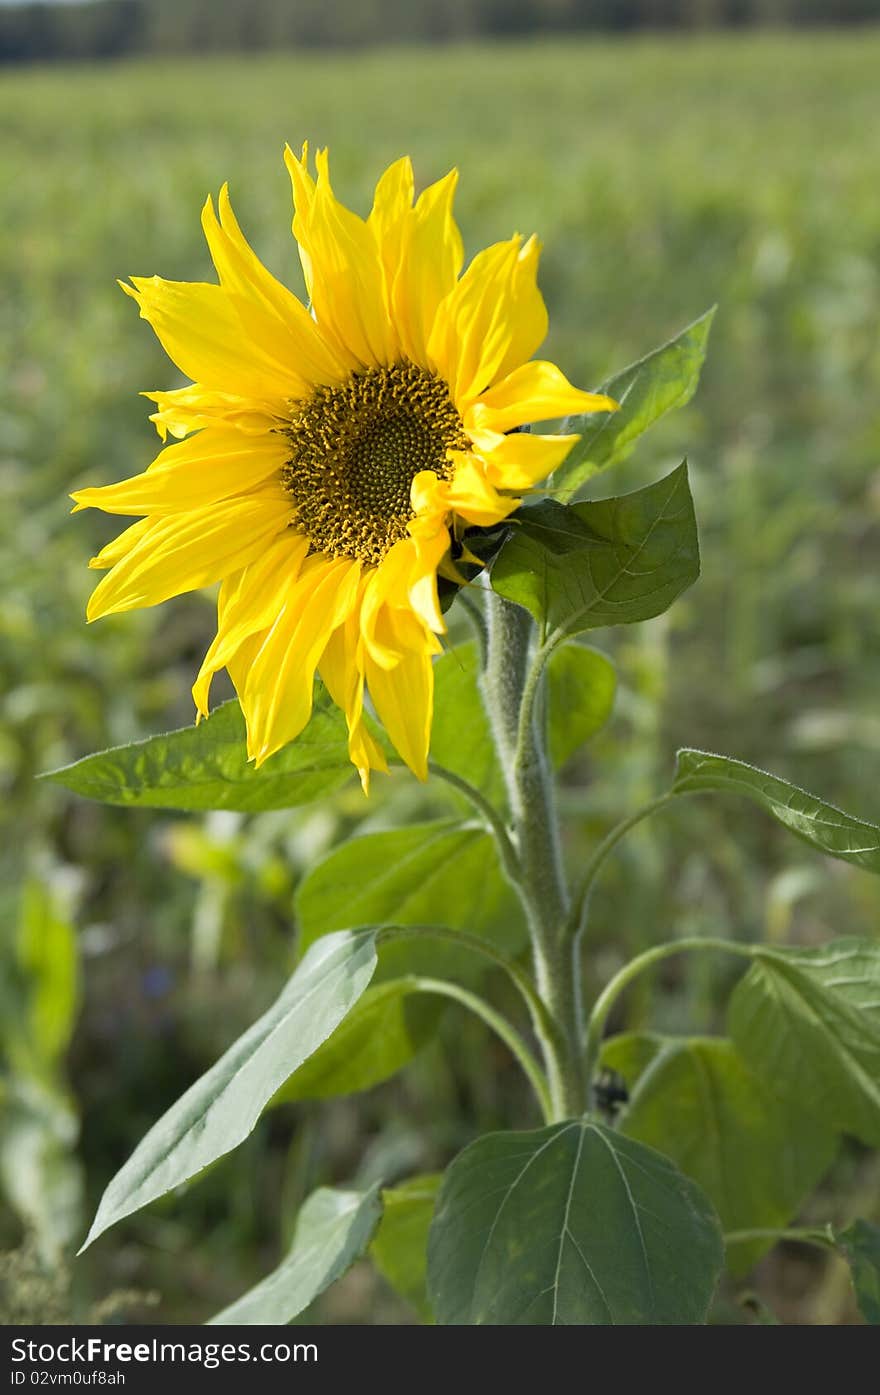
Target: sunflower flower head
328, 460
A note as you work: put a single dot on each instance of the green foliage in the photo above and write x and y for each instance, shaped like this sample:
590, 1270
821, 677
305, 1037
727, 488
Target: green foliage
206, 766
221, 1109
610, 562
460, 737
399, 1248
581, 684
332, 1231
860, 1243
774, 646
442, 873
645, 391
807, 1021
571, 1224
757, 1157
819, 824
382, 1033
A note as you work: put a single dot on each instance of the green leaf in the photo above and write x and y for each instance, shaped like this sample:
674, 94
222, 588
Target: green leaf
220, 1109
630, 1053
860, 1243
607, 562
206, 766
645, 391
427, 874
582, 685
333, 1229
807, 1021
570, 1224
756, 1157
461, 740
379, 1036
819, 824
399, 1249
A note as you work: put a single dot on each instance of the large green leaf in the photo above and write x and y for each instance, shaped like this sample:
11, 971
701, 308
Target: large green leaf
607, 562
332, 1231
756, 1157
819, 824
460, 736
582, 683
646, 391
383, 1031
222, 1107
427, 874
860, 1242
808, 1022
399, 1249
570, 1224
206, 766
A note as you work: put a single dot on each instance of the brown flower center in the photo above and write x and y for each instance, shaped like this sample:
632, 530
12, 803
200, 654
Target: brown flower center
355, 451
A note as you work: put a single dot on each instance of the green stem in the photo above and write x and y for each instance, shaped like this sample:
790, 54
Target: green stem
609, 842
502, 1028
612, 990
809, 1235
512, 686
476, 617
541, 1019
506, 850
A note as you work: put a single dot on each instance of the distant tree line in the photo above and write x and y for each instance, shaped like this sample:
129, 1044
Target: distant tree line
116, 28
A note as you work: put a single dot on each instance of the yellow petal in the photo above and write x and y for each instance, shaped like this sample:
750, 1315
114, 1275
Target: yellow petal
392, 206
116, 549
247, 606
277, 699
491, 322
270, 313
199, 329
215, 464
344, 269
341, 669
184, 552
431, 257
404, 701
190, 408
470, 494
520, 461
536, 391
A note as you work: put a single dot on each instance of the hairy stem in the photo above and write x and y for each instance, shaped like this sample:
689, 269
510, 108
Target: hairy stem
512, 687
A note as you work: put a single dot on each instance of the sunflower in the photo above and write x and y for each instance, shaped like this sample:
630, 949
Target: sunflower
329, 458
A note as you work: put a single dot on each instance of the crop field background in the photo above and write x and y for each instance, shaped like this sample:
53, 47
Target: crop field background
662, 176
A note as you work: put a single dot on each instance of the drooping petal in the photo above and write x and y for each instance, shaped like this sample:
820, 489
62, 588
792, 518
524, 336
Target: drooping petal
270, 313
536, 391
184, 552
247, 606
277, 699
343, 268
215, 464
404, 698
199, 329
342, 670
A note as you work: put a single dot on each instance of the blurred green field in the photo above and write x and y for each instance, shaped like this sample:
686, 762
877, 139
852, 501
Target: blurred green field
662, 176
